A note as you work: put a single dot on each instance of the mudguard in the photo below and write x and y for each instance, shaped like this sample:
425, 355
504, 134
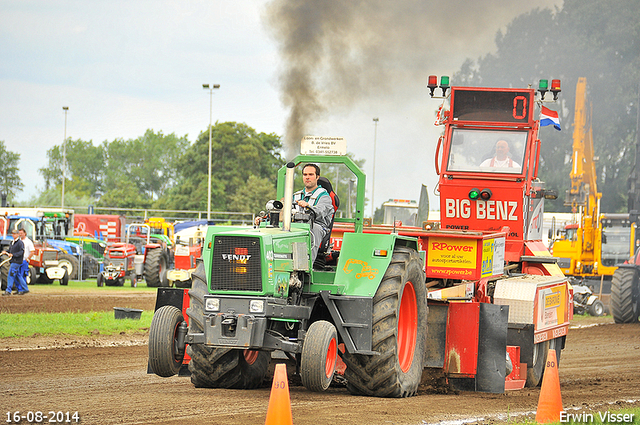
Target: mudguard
364, 259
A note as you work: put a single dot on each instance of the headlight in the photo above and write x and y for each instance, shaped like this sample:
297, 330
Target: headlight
212, 304
256, 306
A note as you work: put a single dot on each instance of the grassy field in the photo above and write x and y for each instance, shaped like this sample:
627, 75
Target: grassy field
89, 285
90, 323
71, 323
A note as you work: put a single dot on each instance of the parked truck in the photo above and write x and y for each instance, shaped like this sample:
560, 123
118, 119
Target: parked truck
497, 300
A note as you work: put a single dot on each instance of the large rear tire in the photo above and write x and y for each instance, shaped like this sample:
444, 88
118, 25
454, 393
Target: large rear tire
220, 367
155, 268
165, 357
625, 295
69, 262
319, 356
399, 332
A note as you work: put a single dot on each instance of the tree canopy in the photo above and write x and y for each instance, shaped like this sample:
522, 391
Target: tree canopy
585, 38
167, 172
10, 182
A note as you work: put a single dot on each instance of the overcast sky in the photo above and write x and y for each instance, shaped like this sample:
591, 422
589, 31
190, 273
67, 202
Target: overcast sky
126, 66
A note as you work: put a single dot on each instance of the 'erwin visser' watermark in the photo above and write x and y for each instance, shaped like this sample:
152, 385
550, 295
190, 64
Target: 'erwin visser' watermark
605, 417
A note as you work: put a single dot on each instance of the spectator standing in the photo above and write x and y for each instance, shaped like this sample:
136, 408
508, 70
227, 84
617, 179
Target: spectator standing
28, 252
16, 254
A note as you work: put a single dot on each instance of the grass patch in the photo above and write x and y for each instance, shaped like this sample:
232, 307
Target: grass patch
104, 322
91, 285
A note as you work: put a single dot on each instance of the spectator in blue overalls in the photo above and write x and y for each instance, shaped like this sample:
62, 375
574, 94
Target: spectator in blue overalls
16, 253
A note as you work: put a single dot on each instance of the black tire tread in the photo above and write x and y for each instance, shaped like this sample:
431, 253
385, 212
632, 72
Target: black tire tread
163, 359
624, 295
314, 354
153, 268
380, 375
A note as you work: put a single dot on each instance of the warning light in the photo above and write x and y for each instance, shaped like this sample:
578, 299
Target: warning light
432, 83
543, 88
241, 251
444, 84
555, 88
485, 194
474, 194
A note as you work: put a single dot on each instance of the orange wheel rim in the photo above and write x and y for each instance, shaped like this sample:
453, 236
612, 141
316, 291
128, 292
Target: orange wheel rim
332, 354
250, 356
407, 327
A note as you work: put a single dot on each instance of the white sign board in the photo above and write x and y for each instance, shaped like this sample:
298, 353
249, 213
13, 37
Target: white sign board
320, 145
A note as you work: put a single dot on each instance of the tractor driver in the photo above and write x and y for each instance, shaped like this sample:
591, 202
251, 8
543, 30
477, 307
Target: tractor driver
502, 157
317, 199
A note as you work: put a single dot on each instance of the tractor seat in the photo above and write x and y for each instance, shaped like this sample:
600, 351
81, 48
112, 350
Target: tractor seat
324, 251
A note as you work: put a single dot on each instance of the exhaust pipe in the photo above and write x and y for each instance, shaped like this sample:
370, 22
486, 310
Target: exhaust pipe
288, 197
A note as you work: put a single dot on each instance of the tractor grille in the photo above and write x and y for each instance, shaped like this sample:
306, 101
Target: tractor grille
236, 264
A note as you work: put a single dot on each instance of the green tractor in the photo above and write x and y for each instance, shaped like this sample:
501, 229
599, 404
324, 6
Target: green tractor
257, 291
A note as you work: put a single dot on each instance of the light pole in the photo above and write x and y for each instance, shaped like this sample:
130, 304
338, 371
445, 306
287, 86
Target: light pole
210, 88
64, 154
373, 176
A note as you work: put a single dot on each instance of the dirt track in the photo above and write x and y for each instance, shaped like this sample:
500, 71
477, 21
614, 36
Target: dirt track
104, 379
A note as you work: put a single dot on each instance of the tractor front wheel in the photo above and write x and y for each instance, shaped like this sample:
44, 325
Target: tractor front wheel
165, 356
220, 367
399, 332
625, 295
319, 356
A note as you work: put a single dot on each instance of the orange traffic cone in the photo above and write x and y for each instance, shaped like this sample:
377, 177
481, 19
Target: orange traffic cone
550, 402
279, 411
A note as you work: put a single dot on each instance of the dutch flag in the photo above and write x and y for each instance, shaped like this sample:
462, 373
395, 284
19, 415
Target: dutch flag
549, 117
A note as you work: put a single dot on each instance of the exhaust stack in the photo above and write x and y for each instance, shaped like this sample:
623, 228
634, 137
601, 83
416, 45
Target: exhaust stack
288, 197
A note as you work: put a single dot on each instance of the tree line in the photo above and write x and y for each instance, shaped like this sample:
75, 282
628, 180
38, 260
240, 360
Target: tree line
159, 171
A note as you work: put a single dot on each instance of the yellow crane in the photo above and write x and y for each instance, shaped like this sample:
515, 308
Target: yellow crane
595, 243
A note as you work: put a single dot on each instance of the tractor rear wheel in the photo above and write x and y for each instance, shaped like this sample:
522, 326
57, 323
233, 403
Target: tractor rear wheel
220, 367
155, 268
165, 357
399, 332
69, 262
319, 356
625, 295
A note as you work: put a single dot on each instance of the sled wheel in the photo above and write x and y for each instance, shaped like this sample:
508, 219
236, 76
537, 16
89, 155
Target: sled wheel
319, 356
165, 357
535, 371
399, 332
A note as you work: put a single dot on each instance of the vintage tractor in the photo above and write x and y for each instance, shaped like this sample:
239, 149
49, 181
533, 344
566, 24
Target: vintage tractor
188, 249
156, 253
118, 264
